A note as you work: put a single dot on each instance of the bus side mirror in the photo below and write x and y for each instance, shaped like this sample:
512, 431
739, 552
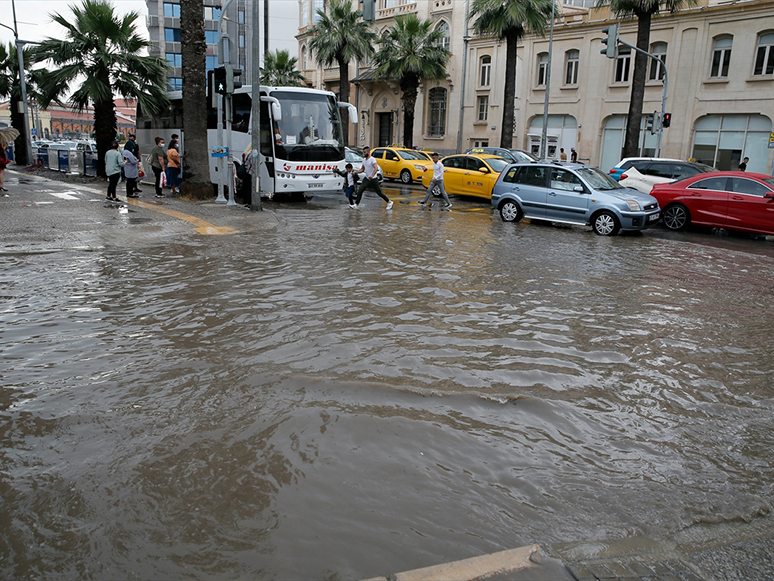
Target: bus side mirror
352, 112
276, 109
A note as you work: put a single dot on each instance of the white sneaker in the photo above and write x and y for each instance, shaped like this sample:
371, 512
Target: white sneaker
389, 205
353, 206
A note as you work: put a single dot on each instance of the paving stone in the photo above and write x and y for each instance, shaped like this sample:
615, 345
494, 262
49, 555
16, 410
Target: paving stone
580, 571
641, 569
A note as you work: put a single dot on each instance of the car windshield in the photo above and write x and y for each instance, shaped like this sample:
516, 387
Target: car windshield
310, 129
522, 156
496, 163
598, 180
412, 155
353, 156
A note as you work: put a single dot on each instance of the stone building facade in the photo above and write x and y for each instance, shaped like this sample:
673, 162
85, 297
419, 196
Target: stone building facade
719, 58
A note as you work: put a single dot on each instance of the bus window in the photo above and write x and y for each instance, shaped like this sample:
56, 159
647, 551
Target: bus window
241, 107
310, 127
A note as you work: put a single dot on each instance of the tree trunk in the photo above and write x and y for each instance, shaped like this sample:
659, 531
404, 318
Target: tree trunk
409, 87
196, 166
17, 122
509, 94
344, 96
639, 75
105, 126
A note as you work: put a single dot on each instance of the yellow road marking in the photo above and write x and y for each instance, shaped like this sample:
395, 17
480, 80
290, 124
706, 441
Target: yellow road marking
202, 226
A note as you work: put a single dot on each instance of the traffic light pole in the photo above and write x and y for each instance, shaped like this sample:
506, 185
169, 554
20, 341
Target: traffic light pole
663, 95
224, 58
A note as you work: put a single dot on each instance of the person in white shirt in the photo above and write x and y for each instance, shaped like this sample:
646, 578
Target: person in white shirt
437, 179
370, 167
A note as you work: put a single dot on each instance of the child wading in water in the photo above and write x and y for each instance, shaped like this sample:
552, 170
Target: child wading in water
349, 186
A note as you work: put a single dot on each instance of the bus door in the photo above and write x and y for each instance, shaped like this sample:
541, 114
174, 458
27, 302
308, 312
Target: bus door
266, 159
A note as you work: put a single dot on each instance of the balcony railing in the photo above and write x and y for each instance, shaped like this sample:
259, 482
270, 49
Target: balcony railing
392, 8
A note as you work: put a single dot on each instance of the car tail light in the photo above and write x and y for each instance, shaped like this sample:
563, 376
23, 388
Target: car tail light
623, 176
612, 171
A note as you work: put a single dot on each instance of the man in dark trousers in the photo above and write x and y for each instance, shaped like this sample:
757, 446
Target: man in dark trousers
371, 168
132, 147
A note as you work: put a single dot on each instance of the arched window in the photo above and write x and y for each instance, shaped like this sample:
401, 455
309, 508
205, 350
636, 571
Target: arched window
571, 74
764, 55
542, 69
657, 67
437, 112
445, 40
486, 71
721, 56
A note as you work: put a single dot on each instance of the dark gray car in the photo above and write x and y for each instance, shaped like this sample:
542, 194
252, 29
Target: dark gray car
572, 193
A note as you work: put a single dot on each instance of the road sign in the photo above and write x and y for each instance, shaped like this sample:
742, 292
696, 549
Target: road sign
771, 140
35, 132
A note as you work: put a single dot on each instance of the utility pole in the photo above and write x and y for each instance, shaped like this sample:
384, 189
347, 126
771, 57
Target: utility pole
224, 58
20, 54
465, 39
255, 198
544, 134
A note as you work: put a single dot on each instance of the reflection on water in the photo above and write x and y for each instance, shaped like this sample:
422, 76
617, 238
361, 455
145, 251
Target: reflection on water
365, 392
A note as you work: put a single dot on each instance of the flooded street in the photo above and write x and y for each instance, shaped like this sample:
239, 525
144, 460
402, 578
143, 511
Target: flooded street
358, 392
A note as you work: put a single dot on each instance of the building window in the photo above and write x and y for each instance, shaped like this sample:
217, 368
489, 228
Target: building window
658, 49
171, 10
481, 143
437, 108
542, 69
317, 7
483, 107
304, 12
486, 70
241, 41
721, 57
175, 59
172, 34
622, 63
241, 17
175, 83
722, 141
211, 13
445, 41
764, 56
303, 58
211, 36
211, 62
571, 76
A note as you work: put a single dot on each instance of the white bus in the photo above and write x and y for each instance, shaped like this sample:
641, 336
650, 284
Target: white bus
301, 136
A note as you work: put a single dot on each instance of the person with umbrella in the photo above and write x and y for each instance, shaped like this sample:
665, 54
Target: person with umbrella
7, 134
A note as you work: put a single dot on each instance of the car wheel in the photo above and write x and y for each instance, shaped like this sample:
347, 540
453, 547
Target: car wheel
605, 224
405, 176
436, 191
676, 217
510, 211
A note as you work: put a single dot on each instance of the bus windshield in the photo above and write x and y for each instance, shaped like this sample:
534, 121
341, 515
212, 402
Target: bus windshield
310, 129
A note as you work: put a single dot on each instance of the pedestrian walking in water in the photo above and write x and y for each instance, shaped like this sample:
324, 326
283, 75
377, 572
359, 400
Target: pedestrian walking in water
350, 184
113, 164
3, 163
159, 164
173, 163
371, 169
437, 180
134, 149
573, 155
131, 173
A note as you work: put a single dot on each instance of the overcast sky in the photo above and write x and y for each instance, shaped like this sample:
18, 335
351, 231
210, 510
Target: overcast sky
34, 20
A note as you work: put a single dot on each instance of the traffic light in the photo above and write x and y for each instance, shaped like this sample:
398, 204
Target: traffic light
232, 79
667, 120
369, 10
650, 122
219, 80
610, 41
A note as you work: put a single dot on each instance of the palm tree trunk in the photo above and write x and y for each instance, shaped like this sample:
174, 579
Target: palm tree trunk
344, 96
105, 125
409, 99
639, 75
509, 94
196, 165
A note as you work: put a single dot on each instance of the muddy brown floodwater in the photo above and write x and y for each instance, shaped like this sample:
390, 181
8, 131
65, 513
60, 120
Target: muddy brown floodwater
362, 392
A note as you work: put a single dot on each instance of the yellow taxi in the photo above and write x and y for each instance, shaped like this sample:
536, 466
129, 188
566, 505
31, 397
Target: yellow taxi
469, 175
406, 165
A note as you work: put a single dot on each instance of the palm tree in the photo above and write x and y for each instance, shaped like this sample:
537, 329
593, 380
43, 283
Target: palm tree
643, 10
410, 52
101, 51
196, 164
279, 69
510, 20
340, 37
11, 87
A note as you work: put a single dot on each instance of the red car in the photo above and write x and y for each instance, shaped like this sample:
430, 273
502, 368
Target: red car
726, 199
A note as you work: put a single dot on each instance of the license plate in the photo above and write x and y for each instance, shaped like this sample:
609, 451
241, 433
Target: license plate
315, 185
653, 217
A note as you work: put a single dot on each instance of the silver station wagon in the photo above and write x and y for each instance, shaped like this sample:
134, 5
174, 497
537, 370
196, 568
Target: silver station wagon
572, 193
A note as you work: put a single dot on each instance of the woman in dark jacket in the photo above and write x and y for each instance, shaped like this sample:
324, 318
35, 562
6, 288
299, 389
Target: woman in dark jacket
3, 163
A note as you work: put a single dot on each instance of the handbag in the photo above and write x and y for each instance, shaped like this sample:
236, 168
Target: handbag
163, 179
140, 170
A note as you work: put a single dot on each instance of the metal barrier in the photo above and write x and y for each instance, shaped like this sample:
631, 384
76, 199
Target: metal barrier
90, 163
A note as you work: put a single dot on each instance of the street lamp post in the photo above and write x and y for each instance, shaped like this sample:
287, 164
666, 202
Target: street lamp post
20, 54
544, 134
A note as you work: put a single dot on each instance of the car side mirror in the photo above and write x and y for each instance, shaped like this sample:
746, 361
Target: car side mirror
483, 169
769, 195
578, 189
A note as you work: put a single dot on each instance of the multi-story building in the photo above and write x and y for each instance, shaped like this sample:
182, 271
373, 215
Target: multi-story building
719, 57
